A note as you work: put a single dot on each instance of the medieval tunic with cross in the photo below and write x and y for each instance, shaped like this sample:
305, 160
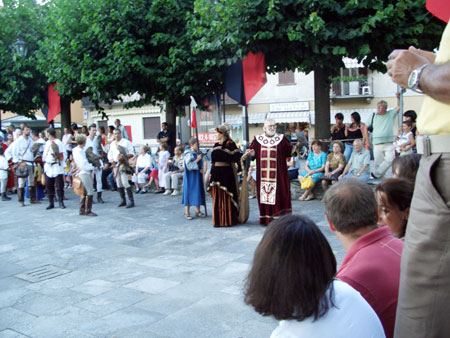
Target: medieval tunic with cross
274, 196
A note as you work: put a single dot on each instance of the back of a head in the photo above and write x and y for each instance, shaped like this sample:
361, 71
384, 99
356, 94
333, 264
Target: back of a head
350, 205
291, 246
406, 166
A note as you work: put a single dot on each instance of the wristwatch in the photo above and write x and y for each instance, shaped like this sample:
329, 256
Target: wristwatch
414, 77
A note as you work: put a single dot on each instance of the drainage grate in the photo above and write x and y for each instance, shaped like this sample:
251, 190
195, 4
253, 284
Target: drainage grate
42, 273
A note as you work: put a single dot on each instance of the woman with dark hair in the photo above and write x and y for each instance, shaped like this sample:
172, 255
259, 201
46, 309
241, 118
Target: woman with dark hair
223, 185
394, 197
292, 279
354, 131
314, 167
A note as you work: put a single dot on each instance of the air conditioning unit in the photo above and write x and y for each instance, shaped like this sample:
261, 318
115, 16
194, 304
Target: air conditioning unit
365, 90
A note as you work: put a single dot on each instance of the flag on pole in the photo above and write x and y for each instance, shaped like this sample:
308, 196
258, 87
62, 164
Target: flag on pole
245, 78
193, 119
439, 8
54, 103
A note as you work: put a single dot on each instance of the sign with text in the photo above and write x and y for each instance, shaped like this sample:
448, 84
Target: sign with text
289, 106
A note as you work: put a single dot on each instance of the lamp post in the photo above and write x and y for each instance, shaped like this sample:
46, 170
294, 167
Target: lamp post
20, 47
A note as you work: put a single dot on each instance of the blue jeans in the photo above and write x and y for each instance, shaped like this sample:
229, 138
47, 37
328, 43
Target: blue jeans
348, 151
111, 182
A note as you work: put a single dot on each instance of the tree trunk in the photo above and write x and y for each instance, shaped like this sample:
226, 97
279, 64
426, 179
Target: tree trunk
322, 103
65, 114
171, 118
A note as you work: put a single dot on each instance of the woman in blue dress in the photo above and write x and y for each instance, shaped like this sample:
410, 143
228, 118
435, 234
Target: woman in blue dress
193, 187
314, 167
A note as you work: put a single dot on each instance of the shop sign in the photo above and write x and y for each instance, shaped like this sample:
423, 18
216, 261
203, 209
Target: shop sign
289, 106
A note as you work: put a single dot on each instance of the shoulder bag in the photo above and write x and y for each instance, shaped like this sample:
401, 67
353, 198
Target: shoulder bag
77, 186
306, 182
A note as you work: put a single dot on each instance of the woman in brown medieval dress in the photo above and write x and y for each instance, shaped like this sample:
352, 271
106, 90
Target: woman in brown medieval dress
223, 186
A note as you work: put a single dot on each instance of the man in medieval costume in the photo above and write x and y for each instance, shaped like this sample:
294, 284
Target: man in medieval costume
119, 152
271, 151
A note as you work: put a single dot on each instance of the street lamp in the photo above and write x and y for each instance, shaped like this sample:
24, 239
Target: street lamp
20, 47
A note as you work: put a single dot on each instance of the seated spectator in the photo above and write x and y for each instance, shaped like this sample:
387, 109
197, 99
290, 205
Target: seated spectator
314, 167
356, 130
153, 178
175, 175
359, 164
394, 197
293, 165
302, 143
311, 302
143, 164
405, 142
406, 166
334, 165
372, 262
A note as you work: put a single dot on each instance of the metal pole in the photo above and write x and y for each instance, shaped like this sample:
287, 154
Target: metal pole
400, 103
245, 132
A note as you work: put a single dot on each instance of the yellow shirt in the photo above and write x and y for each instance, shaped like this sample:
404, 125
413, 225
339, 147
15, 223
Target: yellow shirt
434, 117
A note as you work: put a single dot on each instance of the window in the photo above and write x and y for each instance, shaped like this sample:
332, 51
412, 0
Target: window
286, 78
152, 126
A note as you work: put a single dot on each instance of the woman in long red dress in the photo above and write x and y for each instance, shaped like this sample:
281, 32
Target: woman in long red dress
224, 184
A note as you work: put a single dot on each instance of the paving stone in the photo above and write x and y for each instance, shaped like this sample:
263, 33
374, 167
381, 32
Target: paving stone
152, 285
146, 273
130, 318
95, 287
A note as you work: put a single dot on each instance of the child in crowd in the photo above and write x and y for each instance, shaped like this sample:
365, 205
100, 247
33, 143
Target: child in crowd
4, 168
405, 142
163, 162
310, 302
394, 197
406, 166
153, 178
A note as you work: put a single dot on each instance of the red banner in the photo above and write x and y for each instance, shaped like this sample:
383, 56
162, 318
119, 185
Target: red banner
54, 103
439, 8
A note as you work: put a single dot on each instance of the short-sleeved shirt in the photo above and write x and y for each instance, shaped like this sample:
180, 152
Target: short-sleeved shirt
372, 267
383, 126
358, 160
163, 134
335, 162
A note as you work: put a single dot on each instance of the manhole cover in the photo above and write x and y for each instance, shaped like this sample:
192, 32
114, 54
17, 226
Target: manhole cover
42, 273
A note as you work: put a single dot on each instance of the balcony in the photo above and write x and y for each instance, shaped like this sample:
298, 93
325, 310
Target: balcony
351, 88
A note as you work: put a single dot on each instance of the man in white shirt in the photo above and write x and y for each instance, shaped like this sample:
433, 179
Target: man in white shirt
122, 129
20, 151
54, 157
119, 152
92, 142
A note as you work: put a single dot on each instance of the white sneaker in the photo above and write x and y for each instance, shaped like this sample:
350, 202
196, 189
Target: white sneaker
167, 192
175, 193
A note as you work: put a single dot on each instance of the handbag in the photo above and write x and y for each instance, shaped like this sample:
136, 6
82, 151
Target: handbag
22, 170
77, 186
306, 182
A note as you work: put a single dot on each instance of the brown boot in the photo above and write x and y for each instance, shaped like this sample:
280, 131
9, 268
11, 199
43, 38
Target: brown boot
61, 198
89, 201
130, 197
32, 192
122, 197
83, 206
99, 197
21, 196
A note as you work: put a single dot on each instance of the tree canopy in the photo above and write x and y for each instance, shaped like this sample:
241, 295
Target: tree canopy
313, 35
102, 49
22, 86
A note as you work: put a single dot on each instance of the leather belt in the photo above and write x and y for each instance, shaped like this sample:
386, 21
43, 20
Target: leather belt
221, 164
432, 144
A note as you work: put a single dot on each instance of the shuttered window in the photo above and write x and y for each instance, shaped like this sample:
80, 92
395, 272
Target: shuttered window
152, 126
286, 78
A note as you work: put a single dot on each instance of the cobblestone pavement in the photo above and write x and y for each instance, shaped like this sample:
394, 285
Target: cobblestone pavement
142, 272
